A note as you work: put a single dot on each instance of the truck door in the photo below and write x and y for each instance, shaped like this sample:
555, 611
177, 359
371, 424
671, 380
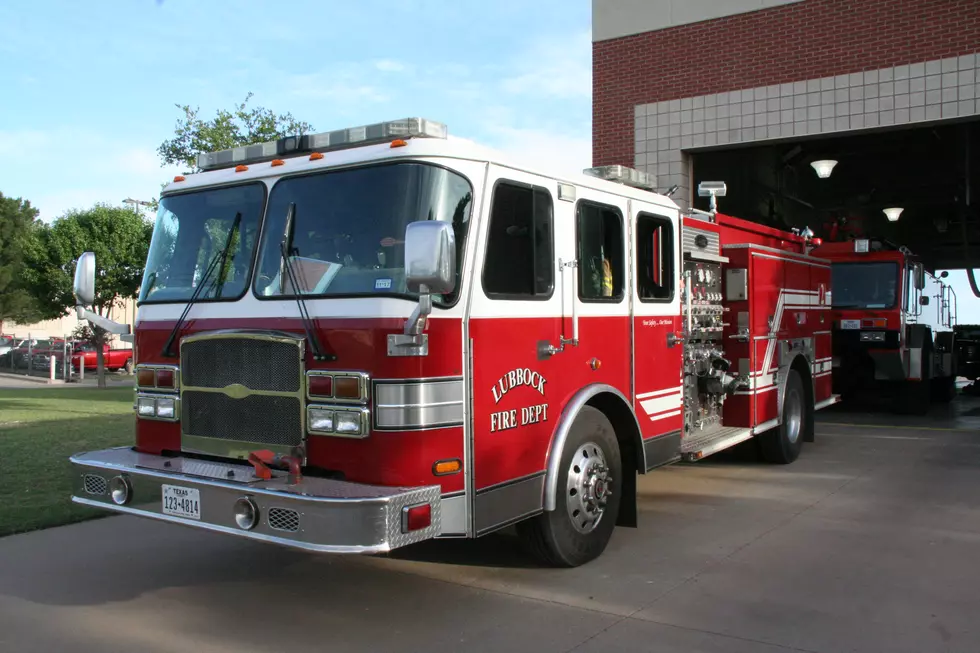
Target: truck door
657, 331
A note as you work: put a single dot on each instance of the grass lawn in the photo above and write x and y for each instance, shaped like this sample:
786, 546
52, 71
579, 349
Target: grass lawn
39, 429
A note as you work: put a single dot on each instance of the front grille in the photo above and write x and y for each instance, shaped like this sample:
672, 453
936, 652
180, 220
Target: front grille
282, 519
95, 485
256, 418
263, 365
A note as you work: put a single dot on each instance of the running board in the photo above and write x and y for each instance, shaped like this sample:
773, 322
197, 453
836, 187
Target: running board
700, 446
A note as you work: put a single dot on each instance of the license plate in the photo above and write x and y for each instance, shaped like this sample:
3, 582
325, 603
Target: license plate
850, 324
182, 501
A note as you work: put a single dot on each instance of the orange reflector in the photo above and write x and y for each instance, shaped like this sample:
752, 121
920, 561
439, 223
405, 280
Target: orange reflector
316, 156
241, 168
416, 518
447, 467
146, 378
179, 178
347, 387
277, 162
398, 143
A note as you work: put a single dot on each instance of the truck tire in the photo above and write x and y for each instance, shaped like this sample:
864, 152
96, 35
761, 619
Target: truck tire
913, 397
589, 486
943, 389
782, 444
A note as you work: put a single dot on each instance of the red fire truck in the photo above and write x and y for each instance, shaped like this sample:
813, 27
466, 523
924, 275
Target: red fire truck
893, 325
354, 341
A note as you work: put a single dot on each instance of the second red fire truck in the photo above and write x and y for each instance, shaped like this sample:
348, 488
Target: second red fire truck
893, 326
354, 341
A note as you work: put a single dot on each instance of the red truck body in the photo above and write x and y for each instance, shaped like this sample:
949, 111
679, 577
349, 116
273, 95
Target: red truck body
580, 332
893, 325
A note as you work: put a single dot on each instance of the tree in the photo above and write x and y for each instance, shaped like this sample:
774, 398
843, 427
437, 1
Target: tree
193, 136
16, 219
120, 239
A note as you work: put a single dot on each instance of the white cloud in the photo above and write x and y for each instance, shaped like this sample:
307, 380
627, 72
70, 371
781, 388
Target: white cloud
558, 152
558, 66
390, 66
67, 168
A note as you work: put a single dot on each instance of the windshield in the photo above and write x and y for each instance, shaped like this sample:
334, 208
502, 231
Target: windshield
191, 230
350, 228
864, 285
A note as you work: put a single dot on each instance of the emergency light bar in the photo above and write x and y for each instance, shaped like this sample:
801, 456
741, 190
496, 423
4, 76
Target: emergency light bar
624, 175
341, 139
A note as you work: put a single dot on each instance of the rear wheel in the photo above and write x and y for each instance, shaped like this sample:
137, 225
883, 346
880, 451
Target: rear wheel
782, 444
943, 389
589, 487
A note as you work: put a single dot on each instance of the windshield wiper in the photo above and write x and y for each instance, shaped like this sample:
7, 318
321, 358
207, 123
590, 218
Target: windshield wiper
219, 257
286, 249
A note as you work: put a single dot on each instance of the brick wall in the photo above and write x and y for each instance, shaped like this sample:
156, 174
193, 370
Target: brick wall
814, 38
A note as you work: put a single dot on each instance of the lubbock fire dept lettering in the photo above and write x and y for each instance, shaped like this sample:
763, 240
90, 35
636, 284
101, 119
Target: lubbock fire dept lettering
508, 419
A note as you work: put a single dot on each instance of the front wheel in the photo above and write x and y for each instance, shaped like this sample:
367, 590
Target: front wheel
782, 444
589, 486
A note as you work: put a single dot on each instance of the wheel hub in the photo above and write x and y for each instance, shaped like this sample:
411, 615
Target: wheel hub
589, 487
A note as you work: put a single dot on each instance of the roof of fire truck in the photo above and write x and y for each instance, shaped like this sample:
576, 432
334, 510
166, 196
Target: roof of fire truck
413, 138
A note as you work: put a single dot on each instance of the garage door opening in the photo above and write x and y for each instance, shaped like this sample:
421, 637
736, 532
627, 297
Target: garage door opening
932, 173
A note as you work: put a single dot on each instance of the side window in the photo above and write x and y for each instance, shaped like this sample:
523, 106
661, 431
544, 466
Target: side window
520, 259
599, 237
654, 258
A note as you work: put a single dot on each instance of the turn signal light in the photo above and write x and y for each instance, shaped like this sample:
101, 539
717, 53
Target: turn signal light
347, 387
145, 378
165, 378
416, 518
321, 385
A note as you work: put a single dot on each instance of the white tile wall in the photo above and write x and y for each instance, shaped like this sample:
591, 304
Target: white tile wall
902, 95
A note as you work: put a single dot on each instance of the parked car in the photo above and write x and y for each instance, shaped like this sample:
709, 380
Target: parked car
114, 359
7, 343
19, 356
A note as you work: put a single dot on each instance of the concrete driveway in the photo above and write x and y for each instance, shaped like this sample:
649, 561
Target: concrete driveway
868, 543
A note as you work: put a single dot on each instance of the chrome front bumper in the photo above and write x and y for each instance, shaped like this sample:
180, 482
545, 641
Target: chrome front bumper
315, 514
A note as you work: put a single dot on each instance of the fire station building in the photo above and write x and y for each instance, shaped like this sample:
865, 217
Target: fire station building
812, 111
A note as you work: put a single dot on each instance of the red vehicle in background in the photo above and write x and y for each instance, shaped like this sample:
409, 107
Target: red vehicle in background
893, 325
86, 353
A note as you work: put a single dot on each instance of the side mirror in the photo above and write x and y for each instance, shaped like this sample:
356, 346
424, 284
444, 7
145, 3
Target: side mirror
924, 300
919, 276
430, 257
85, 279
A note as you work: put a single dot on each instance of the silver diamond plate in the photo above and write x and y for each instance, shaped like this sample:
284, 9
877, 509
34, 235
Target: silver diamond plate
394, 535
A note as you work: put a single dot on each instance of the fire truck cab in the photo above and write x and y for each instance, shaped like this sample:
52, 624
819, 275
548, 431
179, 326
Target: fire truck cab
893, 325
357, 340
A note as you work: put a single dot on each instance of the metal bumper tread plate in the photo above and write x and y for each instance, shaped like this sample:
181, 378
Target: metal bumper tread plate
334, 516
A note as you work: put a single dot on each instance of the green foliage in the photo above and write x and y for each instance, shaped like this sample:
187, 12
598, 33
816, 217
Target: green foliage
119, 237
193, 135
17, 217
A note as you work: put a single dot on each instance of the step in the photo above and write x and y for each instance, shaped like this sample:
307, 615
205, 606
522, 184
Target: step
696, 447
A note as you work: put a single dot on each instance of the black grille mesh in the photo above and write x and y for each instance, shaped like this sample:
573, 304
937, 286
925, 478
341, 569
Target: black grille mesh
263, 365
257, 418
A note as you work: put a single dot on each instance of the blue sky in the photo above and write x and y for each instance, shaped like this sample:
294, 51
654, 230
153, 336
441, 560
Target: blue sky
90, 87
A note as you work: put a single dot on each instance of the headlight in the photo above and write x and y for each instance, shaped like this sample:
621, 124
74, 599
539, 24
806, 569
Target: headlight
146, 406
872, 336
349, 423
156, 407
165, 408
321, 419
